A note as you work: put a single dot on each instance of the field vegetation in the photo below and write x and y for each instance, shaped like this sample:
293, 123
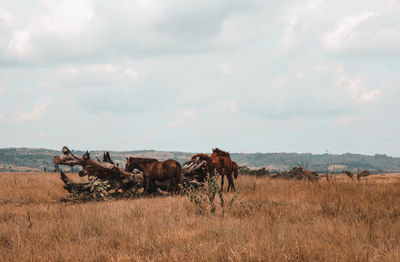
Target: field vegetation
30, 160
268, 220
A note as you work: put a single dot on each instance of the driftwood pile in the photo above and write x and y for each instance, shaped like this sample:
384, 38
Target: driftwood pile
107, 179
298, 173
359, 175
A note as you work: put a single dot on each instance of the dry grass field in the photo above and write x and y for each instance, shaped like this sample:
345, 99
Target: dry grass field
270, 220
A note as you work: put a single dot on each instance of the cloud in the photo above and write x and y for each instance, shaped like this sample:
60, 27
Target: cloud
98, 69
2, 119
367, 33
281, 69
178, 122
344, 30
100, 30
111, 69
189, 116
345, 120
231, 106
36, 114
368, 96
353, 84
19, 45
43, 134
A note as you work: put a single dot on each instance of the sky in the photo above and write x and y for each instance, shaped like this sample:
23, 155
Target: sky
182, 75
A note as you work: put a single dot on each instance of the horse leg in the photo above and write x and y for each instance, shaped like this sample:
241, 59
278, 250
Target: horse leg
222, 180
176, 180
171, 178
153, 186
147, 185
231, 186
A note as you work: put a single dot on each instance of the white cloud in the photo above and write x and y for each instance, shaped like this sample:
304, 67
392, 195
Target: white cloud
368, 96
103, 69
345, 120
367, 32
226, 69
344, 30
98, 69
65, 18
71, 71
2, 119
229, 69
357, 88
231, 106
353, 84
36, 114
130, 73
112, 69
6, 19
43, 134
19, 45
189, 113
177, 123
223, 64
189, 116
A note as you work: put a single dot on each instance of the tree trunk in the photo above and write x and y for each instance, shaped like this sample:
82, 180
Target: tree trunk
118, 178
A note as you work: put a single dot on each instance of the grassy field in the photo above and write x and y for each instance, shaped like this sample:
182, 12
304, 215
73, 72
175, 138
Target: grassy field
270, 220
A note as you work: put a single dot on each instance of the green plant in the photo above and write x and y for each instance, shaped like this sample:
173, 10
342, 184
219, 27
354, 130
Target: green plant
205, 198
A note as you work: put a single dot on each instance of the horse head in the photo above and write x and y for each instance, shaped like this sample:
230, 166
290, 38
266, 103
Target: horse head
129, 164
137, 163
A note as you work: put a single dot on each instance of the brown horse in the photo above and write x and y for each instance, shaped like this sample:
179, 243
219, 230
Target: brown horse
223, 164
154, 170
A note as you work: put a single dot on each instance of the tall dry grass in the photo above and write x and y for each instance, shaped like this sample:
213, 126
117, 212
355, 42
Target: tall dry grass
272, 220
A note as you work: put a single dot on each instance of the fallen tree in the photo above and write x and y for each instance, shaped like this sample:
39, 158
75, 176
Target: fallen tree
107, 178
118, 179
298, 173
359, 175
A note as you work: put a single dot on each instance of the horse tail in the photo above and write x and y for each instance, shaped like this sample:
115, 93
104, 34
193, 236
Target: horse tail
178, 174
235, 170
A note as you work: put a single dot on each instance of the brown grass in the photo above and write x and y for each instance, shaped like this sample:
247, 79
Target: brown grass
272, 220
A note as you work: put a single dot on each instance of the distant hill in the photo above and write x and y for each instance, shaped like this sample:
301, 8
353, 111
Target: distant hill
30, 159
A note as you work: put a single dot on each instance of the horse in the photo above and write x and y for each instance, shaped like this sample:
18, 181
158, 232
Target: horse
223, 164
154, 170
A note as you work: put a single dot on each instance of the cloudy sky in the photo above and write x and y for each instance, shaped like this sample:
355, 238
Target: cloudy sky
246, 76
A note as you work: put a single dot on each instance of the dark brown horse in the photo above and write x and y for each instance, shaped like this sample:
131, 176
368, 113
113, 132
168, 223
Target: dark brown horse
223, 164
154, 170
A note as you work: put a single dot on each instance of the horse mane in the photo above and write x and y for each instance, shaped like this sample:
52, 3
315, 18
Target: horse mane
221, 152
200, 155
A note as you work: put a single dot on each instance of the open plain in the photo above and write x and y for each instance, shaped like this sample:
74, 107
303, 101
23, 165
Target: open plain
268, 220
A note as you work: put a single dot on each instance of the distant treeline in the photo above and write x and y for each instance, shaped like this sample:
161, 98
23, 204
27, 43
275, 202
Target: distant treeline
26, 159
